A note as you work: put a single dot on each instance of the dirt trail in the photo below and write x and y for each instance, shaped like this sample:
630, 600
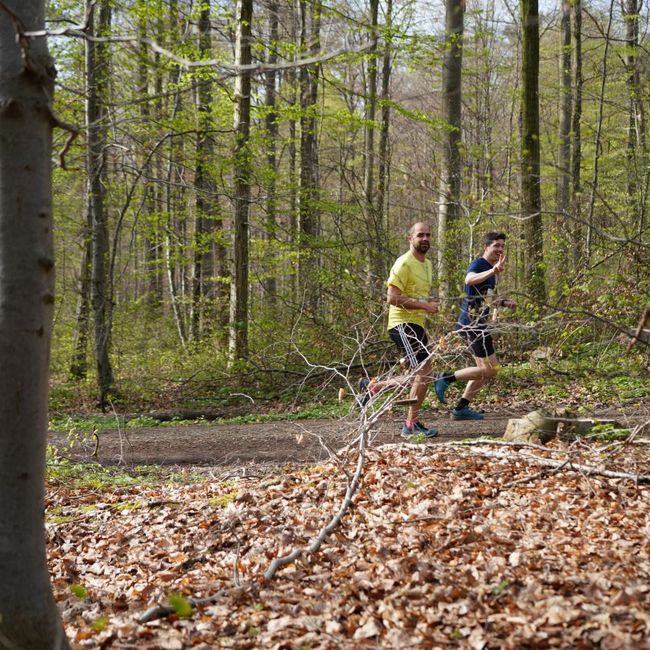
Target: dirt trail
261, 445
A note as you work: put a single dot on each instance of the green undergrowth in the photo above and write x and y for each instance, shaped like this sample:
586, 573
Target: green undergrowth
83, 426
100, 477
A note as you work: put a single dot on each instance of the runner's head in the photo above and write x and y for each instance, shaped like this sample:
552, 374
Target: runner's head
420, 237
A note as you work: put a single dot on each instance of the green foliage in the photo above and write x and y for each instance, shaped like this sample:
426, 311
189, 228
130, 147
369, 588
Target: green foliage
223, 500
181, 605
608, 432
79, 591
90, 475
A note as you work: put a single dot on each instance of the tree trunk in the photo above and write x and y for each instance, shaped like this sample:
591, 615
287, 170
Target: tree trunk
374, 227
238, 342
309, 194
534, 276
150, 201
271, 127
576, 149
79, 363
636, 141
97, 74
598, 144
449, 211
383, 153
204, 186
564, 151
29, 617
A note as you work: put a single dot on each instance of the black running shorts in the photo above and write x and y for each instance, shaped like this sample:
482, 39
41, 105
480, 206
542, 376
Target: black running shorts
478, 339
412, 340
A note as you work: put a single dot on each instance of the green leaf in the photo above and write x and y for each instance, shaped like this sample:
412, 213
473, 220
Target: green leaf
181, 605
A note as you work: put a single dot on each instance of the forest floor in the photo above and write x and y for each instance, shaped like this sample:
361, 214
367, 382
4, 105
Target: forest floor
256, 448
469, 544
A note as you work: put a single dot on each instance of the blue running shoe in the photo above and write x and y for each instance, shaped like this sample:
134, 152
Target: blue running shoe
441, 386
466, 414
418, 429
428, 433
364, 393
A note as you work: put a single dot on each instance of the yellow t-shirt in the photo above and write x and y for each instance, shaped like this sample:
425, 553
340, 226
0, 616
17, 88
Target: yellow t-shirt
414, 279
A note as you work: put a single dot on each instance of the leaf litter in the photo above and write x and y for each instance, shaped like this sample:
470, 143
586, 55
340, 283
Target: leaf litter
443, 546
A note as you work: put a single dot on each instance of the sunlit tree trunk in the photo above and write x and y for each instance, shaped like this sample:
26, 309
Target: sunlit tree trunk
29, 618
534, 276
449, 207
238, 342
564, 149
79, 363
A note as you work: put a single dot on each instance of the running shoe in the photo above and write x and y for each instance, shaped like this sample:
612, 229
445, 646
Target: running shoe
466, 413
441, 386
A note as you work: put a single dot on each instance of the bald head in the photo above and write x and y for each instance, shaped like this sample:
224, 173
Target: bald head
419, 227
420, 239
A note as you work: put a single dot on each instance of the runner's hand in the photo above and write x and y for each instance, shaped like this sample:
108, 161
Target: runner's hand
500, 265
431, 306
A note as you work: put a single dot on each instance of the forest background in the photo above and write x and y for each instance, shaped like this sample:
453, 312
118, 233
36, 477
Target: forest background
243, 177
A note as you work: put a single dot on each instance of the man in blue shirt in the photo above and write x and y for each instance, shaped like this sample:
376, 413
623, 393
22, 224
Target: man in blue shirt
480, 293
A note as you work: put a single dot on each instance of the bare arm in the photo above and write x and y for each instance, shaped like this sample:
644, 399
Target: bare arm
395, 297
476, 278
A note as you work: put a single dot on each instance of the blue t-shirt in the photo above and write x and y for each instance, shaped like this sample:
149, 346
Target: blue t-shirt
474, 309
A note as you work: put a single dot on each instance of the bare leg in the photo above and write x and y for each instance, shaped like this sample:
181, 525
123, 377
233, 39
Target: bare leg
419, 389
478, 375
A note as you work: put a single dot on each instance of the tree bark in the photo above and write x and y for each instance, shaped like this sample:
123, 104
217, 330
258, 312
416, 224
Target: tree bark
29, 618
636, 141
564, 149
308, 212
97, 75
534, 275
204, 186
450, 176
383, 153
374, 225
576, 145
238, 342
271, 128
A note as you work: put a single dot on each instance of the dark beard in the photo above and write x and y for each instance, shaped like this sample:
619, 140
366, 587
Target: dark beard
422, 247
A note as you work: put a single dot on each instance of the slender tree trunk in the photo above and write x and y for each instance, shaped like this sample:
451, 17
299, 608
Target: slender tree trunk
373, 223
534, 276
598, 145
97, 74
271, 127
309, 216
576, 150
636, 142
238, 343
151, 239
383, 153
29, 617
291, 86
449, 207
564, 150
79, 363
204, 185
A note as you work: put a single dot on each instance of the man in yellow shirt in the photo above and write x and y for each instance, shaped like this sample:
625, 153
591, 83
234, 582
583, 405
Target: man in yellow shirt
409, 286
